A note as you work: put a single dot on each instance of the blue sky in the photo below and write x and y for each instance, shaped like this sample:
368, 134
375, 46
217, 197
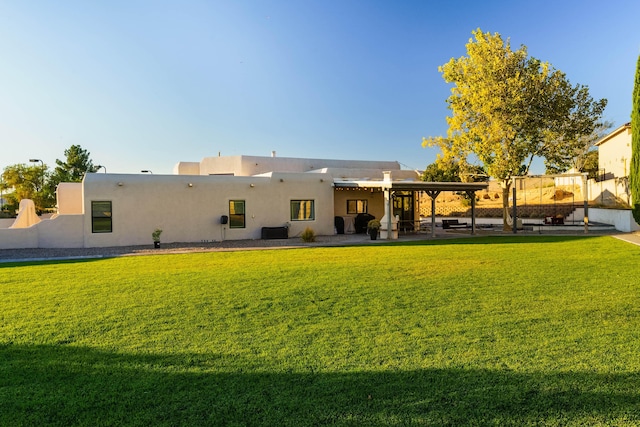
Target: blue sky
145, 84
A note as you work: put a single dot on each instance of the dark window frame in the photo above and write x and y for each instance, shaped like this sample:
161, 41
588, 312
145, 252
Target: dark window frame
101, 218
355, 209
237, 220
296, 206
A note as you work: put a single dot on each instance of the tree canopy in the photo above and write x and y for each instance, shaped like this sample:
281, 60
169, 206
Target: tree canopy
39, 184
508, 108
73, 168
27, 183
450, 171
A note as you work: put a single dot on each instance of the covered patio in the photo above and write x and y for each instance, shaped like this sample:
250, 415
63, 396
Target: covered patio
393, 189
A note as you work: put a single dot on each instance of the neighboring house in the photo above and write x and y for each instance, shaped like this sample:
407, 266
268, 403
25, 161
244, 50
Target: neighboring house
229, 198
611, 186
614, 153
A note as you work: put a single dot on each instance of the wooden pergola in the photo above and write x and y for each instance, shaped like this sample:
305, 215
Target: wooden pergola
432, 189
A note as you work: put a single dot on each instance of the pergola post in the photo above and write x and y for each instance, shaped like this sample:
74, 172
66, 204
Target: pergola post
388, 212
514, 214
433, 194
472, 196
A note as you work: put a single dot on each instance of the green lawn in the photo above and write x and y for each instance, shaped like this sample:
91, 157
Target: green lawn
484, 331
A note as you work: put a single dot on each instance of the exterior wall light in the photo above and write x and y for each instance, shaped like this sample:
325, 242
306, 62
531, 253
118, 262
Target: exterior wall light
190, 185
120, 184
251, 185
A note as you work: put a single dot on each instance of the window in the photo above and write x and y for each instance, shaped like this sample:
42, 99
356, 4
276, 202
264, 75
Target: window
101, 217
236, 214
357, 206
302, 210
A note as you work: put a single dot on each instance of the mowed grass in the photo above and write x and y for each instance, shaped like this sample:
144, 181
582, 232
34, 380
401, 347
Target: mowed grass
484, 331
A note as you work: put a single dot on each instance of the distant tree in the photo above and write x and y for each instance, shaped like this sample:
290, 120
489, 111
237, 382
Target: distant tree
440, 171
73, 168
3, 195
590, 164
634, 173
508, 108
578, 152
26, 182
450, 171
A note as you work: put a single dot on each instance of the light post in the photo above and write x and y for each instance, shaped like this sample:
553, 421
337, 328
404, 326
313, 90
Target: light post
42, 172
101, 167
147, 171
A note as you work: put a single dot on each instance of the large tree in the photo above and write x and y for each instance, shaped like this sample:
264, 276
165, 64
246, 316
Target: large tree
27, 182
508, 108
72, 169
634, 173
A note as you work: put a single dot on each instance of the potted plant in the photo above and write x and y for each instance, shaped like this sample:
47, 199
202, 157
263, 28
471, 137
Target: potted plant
156, 237
372, 228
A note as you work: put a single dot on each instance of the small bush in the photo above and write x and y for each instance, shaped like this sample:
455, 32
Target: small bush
374, 224
308, 235
156, 234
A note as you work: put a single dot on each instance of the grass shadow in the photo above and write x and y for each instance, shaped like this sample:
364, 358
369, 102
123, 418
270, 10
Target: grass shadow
489, 240
50, 261
68, 385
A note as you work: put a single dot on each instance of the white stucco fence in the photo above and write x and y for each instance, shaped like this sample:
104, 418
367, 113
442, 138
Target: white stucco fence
621, 219
64, 231
6, 222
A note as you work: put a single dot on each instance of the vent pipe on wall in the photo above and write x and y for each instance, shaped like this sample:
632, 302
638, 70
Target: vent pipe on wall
273, 153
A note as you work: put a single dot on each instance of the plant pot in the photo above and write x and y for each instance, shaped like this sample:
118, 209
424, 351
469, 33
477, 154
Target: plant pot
373, 233
156, 245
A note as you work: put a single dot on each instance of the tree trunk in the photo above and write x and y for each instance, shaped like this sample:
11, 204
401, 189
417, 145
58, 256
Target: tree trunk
506, 189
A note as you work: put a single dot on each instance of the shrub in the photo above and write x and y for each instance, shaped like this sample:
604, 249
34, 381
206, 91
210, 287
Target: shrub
156, 234
308, 235
373, 224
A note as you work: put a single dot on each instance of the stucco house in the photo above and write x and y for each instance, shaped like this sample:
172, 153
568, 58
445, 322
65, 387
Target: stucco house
610, 189
230, 198
614, 153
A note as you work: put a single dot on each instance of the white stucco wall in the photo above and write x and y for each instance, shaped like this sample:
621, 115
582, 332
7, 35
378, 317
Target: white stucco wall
621, 219
141, 203
6, 222
61, 231
186, 168
14, 238
611, 192
375, 201
254, 165
69, 198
